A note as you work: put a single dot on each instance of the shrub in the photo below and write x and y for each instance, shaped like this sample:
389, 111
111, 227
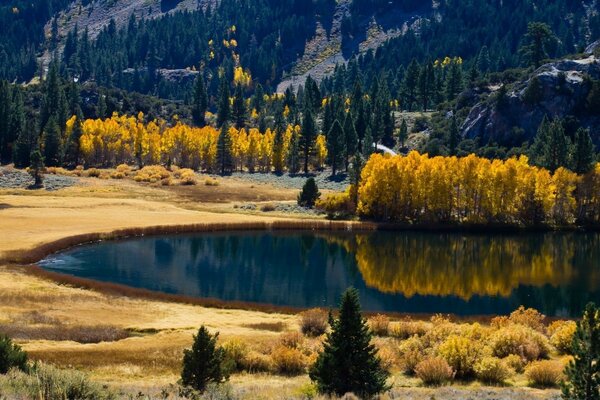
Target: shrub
257, 362
269, 207
561, 335
117, 175
545, 373
313, 322
291, 339
211, 182
379, 325
186, 176
123, 169
406, 328
204, 362
520, 340
515, 362
93, 173
411, 353
387, 357
336, 205
288, 361
461, 354
309, 194
235, 354
11, 355
434, 371
528, 317
152, 174
492, 370
48, 382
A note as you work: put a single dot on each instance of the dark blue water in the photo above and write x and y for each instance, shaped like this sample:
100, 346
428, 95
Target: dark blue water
414, 272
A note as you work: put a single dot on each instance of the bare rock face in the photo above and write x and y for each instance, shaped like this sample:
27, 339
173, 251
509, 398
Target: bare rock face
565, 86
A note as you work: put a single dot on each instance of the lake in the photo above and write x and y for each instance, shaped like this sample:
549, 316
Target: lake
407, 272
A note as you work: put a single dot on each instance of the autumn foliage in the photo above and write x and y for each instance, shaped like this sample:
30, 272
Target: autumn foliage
472, 190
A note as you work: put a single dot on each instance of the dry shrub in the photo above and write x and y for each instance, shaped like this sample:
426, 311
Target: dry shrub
166, 182
59, 332
278, 326
561, 335
211, 182
257, 362
117, 175
475, 331
408, 328
336, 204
288, 361
520, 340
235, 354
93, 173
267, 207
124, 169
434, 371
500, 322
440, 330
78, 171
152, 174
461, 354
515, 362
545, 373
492, 370
58, 171
291, 339
314, 322
380, 325
387, 357
529, 317
186, 176
411, 353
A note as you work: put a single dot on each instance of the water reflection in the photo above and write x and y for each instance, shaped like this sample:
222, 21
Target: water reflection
404, 272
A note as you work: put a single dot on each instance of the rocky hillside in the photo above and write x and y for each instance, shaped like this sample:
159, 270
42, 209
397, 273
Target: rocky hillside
559, 89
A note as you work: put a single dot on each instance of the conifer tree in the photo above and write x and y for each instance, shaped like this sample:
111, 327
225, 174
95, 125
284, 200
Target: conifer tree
355, 170
583, 372
200, 101
349, 361
37, 167
224, 109
11, 355
5, 117
72, 151
335, 146
239, 107
204, 362
52, 143
368, 145
278, 139
309, 194
351, 139
101, 106
537, 40
533, 93
453, 137
583, 152
551, 146
293, 155
410, 84
308, 135
26, 142
17, 118
403, 133
224, 156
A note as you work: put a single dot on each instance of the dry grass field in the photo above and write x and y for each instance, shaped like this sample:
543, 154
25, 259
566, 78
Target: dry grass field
134, 343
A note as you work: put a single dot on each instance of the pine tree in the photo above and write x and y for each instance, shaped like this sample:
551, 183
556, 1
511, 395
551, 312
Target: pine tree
355, 171
403, 134
454, 80
453, 137
224, 109
204, 362
308, 135
17, 119
101, 106
309, 194
410, 84
278, 139
368, 146
483, 60
335, 146
26, 142
239, 107
54, 100
52, 143
537, 40
11, 356
349, 362
551, 146
36, 167
72, 152
534, 92
224, 156
200, 102
583, 372
293, 155
5, 117
351, 139
583, 152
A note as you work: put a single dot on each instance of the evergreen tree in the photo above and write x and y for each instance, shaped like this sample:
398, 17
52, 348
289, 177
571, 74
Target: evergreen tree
258, 98
483, 60
204, 362
278, 139
349, 362
52, 143
223, 110
410, 84
72, 151
351, 139
551, 146
54, 102
355, 171
6, 136
309, 194
239, 107
453, 136
537, 41
11, 355
335, 146
293, 155
583, 372
454, 80
403, 134
36, 167
368, 145
583, 157
26, 142
224, 156
308, 135
17, 118
426, 83
200, 102
534, 92
101, 106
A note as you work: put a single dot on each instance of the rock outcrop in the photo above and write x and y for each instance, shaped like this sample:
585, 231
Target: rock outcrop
563, 90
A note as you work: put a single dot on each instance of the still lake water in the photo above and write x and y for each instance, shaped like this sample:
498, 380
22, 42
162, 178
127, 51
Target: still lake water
414, 272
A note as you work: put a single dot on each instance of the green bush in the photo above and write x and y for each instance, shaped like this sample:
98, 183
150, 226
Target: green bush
461, 354
492, 370
434, 371
313, 322
204, 363
11, 355
545, 373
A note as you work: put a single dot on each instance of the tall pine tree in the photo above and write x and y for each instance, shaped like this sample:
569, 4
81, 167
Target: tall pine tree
335, 146
308, 135
200, 102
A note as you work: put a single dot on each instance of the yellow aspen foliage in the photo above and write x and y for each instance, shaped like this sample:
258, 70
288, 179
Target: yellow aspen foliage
320, 151
241, 77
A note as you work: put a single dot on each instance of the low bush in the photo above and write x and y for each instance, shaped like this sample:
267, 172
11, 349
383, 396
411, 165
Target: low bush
520, 340
288, 361
211, 182
528, 317
387, 358
267, 207
152, 174
380, 325
337, 205
545, 373
407, 328
117, 175
186, 176
434, 371
257, 362
411, 353
515, 362
461, 354
314, 322
291, 339
492, 370
235, 354
561, 335
124, 169
93, 173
